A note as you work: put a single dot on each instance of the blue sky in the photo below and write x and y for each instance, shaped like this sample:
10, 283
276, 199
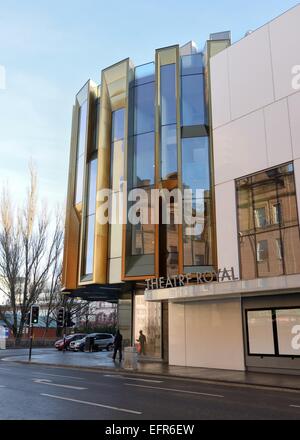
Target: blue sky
50, 48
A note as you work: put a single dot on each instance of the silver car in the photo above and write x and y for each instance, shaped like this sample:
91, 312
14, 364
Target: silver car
104, 341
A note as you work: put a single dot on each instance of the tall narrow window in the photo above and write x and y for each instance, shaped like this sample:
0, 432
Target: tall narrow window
168, 122
117, 150
192, 91
140, 238
90, 219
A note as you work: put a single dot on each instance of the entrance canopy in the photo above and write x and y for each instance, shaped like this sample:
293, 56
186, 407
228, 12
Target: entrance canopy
100, 292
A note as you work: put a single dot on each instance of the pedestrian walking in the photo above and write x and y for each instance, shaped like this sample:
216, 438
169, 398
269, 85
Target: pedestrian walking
118, 346
142, 341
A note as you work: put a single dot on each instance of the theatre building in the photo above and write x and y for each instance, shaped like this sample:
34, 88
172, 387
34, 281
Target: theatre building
222, 122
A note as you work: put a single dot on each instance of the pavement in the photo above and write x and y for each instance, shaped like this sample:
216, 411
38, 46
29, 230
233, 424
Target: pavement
102, 361
39, 392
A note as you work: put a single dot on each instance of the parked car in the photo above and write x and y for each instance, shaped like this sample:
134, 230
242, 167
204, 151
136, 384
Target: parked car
104, 341
77, 345
61, 343
101, 341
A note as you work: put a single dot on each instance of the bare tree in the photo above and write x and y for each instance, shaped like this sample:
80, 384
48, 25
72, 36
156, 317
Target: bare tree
30, 247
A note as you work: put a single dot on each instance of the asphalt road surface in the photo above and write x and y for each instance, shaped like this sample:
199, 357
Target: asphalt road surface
35, 392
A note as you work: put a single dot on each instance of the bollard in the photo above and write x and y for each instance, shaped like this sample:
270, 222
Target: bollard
130, 358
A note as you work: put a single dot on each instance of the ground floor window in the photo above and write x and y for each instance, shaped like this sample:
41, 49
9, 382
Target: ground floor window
273, 332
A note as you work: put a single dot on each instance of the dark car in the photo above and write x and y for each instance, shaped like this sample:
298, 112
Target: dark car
61, 344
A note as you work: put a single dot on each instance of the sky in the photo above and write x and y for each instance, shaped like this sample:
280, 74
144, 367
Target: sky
49, 49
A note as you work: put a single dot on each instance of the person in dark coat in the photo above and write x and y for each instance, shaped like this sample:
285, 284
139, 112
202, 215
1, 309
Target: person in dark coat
118, 346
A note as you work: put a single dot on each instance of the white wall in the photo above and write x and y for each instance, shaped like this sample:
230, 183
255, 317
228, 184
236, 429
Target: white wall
255, 114
207, 335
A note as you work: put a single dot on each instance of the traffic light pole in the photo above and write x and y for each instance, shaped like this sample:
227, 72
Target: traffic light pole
30, 342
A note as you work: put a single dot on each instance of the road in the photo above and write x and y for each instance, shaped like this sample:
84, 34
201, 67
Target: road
34, 392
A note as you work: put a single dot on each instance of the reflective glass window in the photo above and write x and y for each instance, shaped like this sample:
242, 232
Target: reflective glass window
144, 108
168, 94
118, 121
89, 245
197, 234
92, 186
291, 249
144, 73
248, 257
195, 164
192, 64
268, 220
192, 100
117, 150
168, 152
143, 160
245, 206
79, 180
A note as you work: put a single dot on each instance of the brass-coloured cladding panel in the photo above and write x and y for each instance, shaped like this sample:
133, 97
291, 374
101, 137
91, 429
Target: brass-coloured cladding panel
114, 95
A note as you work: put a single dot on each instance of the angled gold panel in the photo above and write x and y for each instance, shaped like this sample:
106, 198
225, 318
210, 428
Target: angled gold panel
91, 94
72, 223
114, 95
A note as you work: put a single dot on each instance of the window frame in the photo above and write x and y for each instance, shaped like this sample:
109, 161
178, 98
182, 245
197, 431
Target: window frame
275, 332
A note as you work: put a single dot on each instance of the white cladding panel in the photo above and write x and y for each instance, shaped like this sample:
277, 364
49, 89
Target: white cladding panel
285, 44
250, 60
213, 335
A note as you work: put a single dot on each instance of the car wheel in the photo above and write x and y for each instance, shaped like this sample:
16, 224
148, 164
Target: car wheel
109, 347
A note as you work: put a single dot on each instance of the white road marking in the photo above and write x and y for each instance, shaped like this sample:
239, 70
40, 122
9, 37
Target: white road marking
2, 386
174, 390
93, 404
5, 369
58, 375
295, 406
132, 378
49, 382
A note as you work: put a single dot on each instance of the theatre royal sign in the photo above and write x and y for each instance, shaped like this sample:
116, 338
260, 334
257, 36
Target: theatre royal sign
220, 276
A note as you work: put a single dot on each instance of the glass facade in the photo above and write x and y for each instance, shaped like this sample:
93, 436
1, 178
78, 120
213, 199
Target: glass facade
140, 238
268, 223
143, 160
197, 232
195, 165
168, 94
117, 150
144, 108
193, 107
197, 237
168, 109
88, 259
169, 152
81, 141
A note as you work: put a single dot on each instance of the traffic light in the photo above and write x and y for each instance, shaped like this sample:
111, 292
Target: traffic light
68, 319
35, 314
27, 322
61, 317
